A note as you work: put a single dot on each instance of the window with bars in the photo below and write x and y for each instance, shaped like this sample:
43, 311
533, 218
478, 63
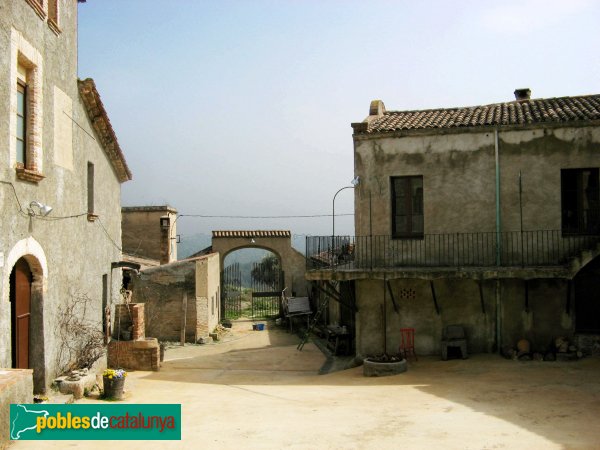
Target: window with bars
407, 207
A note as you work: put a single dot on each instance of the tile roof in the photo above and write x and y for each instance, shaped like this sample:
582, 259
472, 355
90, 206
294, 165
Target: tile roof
523, 112
251, 234
102, 126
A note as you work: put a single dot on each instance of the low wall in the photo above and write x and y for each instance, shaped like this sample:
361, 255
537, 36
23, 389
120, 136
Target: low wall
143, 354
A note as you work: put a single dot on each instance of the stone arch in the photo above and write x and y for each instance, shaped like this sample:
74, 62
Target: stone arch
32, 252
279, 242
261, 247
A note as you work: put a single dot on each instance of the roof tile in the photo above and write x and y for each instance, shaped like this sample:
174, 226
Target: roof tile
251, 233
524, 112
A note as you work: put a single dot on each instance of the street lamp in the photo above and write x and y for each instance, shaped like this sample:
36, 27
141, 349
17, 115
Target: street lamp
354, 183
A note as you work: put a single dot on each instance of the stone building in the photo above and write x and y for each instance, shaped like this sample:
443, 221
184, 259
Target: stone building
149, 234
181, 299
60, 151
486, 216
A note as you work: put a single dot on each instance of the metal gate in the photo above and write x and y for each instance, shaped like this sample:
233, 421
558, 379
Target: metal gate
267, 284
231, 292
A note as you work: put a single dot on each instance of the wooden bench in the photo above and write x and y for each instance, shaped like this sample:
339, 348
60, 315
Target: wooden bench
296, 307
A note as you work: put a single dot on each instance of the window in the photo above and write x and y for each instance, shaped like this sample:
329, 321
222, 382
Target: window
580, 201
21, 122
26, 102
407, 207
90, 190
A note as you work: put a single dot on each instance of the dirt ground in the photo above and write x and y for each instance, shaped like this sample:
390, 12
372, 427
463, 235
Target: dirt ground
255, 390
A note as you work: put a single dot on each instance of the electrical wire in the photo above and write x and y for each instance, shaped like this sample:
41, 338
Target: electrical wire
308, 216
21, 210
108, 235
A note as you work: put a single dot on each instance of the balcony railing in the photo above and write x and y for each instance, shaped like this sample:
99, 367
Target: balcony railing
512, 249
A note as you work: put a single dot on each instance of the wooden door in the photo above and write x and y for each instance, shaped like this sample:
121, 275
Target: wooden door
21, 313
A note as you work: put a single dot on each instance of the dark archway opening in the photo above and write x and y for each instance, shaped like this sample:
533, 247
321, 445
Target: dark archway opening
587, 299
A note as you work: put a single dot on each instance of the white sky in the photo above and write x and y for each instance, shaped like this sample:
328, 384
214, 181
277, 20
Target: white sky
244, 107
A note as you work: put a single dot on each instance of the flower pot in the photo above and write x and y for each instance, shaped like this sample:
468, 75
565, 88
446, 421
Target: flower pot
113, 387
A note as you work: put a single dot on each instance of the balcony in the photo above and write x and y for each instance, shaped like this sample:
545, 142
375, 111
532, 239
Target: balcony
451, 252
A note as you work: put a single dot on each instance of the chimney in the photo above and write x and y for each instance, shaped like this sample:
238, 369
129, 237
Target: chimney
165, 239
376, 108
522, 94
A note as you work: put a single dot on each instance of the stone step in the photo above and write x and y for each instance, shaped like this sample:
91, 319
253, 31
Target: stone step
60, 399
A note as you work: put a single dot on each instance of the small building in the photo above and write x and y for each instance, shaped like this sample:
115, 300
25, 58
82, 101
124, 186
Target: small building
60, 191
486, 217
181, 299
149, 234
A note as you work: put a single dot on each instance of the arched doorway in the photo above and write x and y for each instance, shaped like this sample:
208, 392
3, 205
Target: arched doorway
21, 279
27, 274
251, 282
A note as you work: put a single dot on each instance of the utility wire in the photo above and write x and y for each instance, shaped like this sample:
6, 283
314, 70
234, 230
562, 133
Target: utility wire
263, 217
21, 210
108, 235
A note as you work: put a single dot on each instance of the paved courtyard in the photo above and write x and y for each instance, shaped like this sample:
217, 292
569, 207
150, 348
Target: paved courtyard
256, 391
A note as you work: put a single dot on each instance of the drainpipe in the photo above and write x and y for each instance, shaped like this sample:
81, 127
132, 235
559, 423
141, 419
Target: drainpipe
498, 243
498, 223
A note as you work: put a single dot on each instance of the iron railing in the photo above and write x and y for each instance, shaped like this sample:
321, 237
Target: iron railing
486, 249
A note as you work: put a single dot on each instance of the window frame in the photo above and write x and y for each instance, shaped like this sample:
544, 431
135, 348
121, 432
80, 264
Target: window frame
90, 191
22, 90
409, 233
593, 219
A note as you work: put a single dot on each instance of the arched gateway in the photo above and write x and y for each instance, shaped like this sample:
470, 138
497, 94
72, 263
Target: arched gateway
279, 242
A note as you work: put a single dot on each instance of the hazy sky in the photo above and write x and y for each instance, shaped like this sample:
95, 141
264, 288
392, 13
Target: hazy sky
244, 107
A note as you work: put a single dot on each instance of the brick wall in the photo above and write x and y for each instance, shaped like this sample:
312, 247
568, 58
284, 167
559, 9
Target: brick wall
130, 317
134, 355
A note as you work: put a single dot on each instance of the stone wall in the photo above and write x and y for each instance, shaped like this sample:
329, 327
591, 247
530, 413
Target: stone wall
540, 321
459, 196
144, 235
71, 255
143, 354
181, 295
458, 172
292, 261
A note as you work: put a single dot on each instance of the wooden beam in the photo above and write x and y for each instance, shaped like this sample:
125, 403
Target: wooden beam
183, 317
335, 296
389, 286
568, 305
435, 303
481, 297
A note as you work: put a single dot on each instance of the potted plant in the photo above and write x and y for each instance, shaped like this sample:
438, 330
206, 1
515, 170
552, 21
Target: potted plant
114, 382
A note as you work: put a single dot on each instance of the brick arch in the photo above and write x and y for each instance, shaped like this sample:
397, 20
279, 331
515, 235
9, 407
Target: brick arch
279, 242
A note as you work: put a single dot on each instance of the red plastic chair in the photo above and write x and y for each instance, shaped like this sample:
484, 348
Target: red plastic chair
407, 343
